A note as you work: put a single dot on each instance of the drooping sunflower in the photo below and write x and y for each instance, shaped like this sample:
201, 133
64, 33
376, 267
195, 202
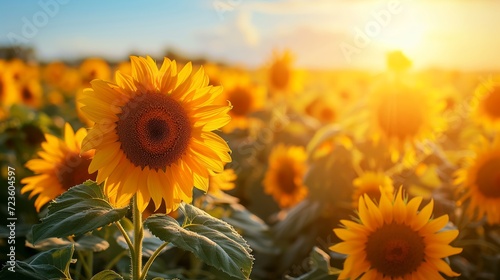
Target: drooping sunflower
284, 177
153, 133
479, 182
60, 166
393, 240
372, 183
486, 103
404, 115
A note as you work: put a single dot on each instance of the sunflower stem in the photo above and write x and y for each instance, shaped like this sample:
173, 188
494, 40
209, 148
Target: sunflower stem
125, 236
138, 235
151, 260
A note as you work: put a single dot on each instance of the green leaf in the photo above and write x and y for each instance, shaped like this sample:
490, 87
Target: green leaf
46, 265
212, 240
85, 243
79, 210
107, 275
321, 269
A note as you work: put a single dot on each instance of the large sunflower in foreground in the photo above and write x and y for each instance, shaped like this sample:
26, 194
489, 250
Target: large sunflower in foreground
395, 241
153, 133
479, 181
60, 167
284, 177
486, 103
371, 183
405, 115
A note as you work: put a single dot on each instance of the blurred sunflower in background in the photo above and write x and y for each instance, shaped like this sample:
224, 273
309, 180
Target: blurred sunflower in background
372, 183
283, 79
403, 116
393, 240
284, 176
479, 182
245, 97
60, 166
220, 182
486, 104
324, 108
153, 133
7, 86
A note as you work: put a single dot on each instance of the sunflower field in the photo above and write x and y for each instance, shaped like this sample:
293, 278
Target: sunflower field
178, 167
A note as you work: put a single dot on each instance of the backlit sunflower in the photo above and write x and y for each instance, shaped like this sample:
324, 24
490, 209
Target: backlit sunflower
486, 103
404, 115
284, 177
397, 61
60, 167
153, 133
479, 181
219, 182
245, 97
395, 241
282, 76
324, 108
371, 183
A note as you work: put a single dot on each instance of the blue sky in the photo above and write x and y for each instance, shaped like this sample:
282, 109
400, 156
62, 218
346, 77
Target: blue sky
443, 33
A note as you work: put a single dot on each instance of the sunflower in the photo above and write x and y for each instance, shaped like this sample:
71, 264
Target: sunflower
94, 68
395, 241
219, 182
60, 167
486, 103
30, 93
284, 177
403, 116
371, 183
8, 94
153, 133
479, 182
54, 72
281, 75
324, 108
397, 61
245, 97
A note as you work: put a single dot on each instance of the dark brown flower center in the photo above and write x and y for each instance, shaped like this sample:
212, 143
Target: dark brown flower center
286, 178
491, 103
74, 170
241, 99
488, 178
154, 130
26, 94
395, 250
400, 116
